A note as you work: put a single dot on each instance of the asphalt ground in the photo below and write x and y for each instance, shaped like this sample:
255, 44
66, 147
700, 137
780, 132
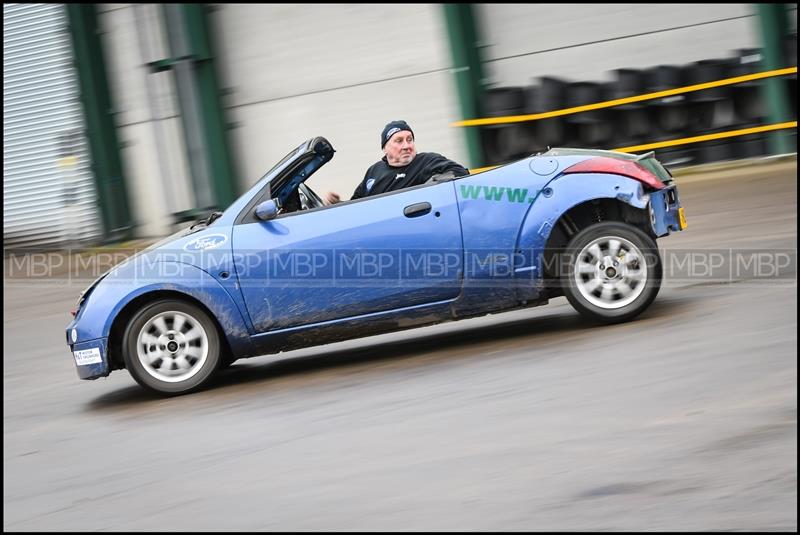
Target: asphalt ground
684, 419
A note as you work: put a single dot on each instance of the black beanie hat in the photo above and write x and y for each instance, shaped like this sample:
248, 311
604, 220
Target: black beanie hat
392, 128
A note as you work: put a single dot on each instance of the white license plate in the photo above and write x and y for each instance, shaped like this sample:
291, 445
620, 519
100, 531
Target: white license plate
87, 356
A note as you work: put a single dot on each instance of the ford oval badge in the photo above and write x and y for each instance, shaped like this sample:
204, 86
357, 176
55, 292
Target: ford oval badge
205, 242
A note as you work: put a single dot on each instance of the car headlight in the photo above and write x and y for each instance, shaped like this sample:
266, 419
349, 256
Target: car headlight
85, 293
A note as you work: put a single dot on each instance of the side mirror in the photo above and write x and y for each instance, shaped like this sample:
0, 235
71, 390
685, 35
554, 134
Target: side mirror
267, 210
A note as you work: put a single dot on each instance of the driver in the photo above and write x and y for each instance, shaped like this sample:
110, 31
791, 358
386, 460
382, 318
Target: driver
401, 165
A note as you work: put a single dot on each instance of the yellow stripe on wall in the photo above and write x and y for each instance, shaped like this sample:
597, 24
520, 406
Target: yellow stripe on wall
684, 141
707, 137
627, 100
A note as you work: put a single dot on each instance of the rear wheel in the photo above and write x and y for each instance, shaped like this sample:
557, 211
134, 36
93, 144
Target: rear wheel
613, 272
171, 347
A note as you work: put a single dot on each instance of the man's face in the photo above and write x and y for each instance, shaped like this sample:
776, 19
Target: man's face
400, 149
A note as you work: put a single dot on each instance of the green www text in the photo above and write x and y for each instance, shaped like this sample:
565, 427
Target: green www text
495, 193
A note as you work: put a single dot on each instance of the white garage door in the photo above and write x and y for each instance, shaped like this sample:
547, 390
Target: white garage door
48, 188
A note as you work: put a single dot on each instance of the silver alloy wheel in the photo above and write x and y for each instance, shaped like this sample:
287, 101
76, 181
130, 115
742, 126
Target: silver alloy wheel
172, 346
610, 272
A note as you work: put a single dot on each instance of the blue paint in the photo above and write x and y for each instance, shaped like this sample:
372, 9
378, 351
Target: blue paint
362, 267
95, 370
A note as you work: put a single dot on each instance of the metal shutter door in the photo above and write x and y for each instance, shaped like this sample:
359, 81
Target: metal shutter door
49, 193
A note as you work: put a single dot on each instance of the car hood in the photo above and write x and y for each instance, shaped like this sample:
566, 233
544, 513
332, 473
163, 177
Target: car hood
181, 246
186, 245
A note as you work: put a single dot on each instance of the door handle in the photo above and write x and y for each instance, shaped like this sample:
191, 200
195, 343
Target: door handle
418, 209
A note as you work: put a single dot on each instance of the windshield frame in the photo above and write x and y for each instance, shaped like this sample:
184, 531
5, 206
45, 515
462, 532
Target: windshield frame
294, 169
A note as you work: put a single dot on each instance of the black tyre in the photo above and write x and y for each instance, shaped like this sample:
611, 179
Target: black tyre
612, 272
171, 347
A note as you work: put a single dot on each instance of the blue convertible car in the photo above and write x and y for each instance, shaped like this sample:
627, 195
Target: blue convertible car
278, 270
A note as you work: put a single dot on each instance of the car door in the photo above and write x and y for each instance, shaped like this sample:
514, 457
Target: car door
387, 252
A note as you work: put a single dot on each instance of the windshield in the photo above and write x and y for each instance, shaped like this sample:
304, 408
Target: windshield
283, 179
285, 160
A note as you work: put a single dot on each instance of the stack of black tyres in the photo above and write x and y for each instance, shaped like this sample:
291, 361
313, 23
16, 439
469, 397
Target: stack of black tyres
748, 102
669, 116
631, 121
505, 142
589, 129
708, 111
545, 97
790, 55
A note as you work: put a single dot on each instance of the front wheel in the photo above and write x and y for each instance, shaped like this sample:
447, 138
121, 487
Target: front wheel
613, 272
171, 347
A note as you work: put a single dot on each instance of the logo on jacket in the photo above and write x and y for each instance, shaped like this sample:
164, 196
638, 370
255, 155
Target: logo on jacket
370, 183
206, 242
400, 175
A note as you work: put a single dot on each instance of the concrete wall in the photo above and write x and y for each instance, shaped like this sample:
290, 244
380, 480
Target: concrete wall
339, 71
146, 115
584, 42
291, 72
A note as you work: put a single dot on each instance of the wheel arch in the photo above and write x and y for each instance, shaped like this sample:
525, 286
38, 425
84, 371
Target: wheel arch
585, 214
584, 198
123, 317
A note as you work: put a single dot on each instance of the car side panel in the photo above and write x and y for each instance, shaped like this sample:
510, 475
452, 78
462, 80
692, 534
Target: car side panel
493, 206
351, 259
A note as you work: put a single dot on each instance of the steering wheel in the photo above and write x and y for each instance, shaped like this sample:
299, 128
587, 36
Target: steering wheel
304, 204
308, 199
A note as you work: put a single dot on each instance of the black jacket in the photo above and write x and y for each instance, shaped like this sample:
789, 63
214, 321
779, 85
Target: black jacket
382, 177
